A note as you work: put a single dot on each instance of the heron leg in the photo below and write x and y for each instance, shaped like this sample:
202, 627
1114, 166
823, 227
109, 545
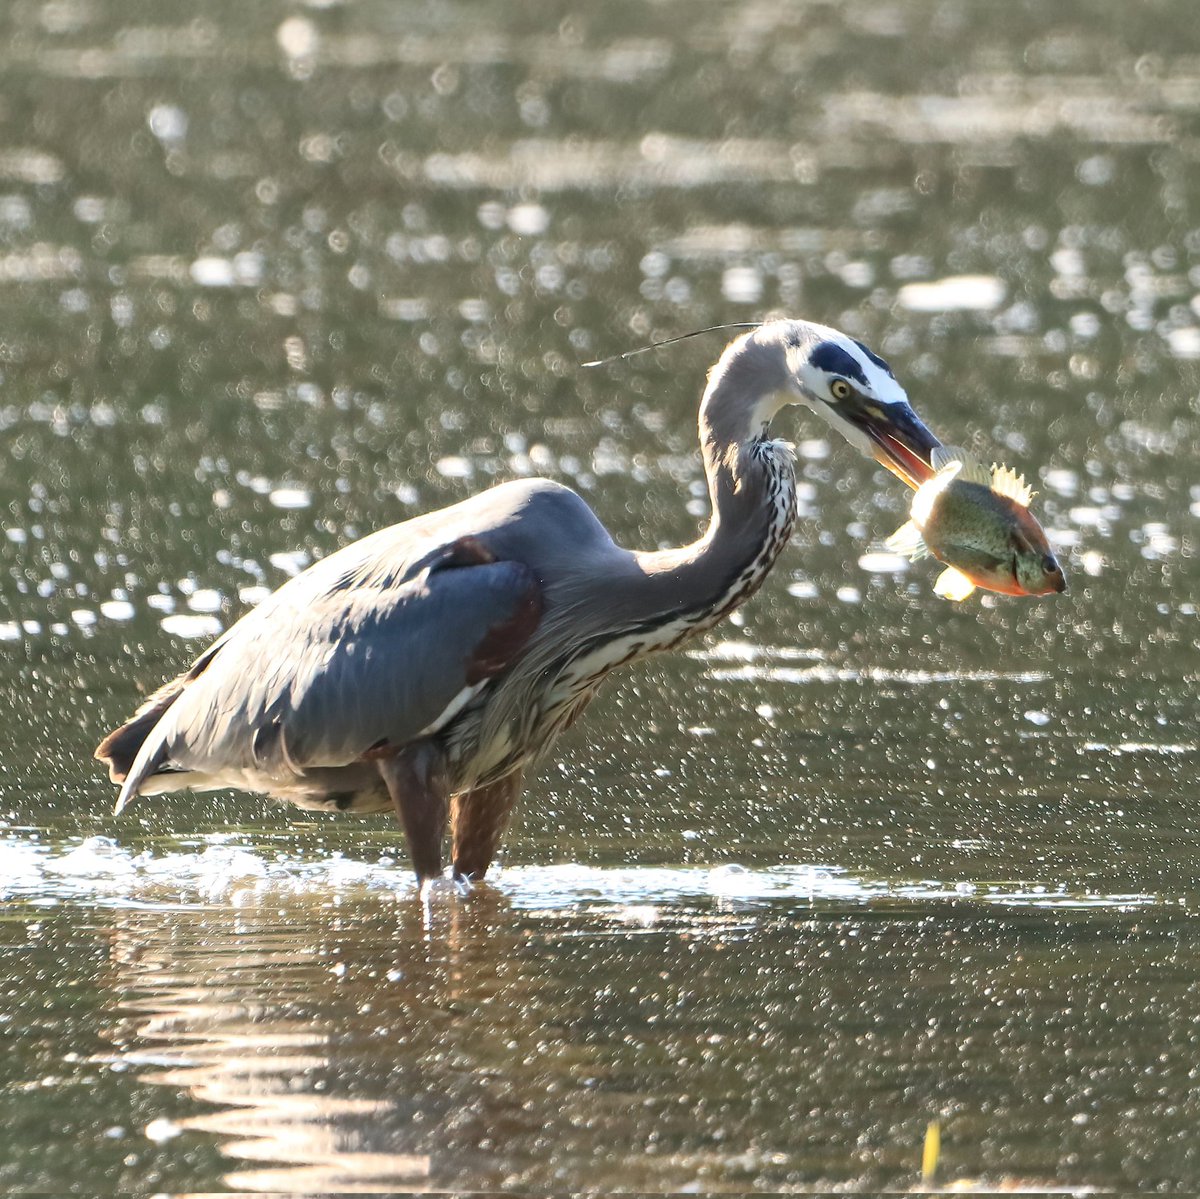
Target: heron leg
416, 781
478, 819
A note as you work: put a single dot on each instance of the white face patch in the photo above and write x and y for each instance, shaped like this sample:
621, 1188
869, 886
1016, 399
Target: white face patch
825, 355
885, 387
852, 433
820, 357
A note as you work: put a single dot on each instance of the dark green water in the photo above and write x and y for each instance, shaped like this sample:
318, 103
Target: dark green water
272, 276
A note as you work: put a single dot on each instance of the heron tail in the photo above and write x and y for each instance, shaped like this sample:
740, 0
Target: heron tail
122, 748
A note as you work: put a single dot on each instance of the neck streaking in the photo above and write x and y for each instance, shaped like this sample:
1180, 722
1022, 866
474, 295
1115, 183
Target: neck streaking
688, 590
754, 511
679, 593
752, 490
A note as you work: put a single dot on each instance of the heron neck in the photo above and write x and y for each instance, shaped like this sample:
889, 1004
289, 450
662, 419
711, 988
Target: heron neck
752, 490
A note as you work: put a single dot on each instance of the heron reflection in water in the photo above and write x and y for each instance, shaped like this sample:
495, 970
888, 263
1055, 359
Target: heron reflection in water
424, 667
310, 1081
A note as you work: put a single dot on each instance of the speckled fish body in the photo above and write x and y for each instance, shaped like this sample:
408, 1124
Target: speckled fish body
970, 527
978, 523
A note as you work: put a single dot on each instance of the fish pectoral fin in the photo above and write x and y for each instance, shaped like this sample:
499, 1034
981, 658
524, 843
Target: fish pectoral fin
966, 467
1006, 481
952, 584
908, 542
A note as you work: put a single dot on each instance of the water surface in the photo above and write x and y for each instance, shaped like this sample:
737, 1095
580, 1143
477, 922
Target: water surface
273, 277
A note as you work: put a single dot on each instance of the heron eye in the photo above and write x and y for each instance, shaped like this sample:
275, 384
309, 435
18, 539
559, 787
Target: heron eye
839, 389
1050, 564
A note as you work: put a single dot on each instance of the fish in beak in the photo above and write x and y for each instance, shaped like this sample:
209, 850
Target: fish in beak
977, 522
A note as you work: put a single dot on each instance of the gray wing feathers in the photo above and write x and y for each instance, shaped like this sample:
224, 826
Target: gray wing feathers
340, 661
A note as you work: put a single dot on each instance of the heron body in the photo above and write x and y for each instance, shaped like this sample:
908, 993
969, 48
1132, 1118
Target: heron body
423, 667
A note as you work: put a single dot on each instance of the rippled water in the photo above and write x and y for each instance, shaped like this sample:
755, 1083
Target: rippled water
271, 277
668, 1028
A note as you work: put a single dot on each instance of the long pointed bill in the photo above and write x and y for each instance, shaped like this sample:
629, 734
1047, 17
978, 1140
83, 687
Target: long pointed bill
898, 439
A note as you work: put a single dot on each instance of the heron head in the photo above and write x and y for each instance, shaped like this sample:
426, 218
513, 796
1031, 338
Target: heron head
855, 391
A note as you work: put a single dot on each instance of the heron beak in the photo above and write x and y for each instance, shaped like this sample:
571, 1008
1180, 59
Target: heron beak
899, 441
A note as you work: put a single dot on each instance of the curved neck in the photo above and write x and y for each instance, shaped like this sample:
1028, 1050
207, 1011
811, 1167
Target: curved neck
751, 487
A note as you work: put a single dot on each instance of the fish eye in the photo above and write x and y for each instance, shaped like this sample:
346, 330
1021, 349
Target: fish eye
839, 389
1050, 564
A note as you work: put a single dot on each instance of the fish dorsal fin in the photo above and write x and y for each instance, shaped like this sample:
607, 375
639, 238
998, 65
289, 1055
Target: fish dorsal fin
908, 542
970, 469
952, 584
1006, 481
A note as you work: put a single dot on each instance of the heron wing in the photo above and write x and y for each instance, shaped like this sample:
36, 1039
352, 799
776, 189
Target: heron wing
346, 664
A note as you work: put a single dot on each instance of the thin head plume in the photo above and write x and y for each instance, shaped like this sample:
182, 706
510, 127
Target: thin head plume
671, 341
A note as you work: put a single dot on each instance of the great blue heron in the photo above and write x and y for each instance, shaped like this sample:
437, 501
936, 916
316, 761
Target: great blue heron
423, 667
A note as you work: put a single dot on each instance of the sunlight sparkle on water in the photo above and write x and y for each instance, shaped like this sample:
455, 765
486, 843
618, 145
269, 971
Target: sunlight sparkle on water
99, 870
956, 293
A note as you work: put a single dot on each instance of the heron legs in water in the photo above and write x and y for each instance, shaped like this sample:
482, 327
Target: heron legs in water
478, 819
416, 780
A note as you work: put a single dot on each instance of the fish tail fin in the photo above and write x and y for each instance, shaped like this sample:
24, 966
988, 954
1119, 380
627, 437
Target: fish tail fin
970, 469
908, 542
953, 585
